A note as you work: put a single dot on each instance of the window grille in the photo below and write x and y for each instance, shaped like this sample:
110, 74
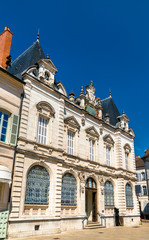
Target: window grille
126, 160
108, 155
42, 130
37, 186
108, 194
69, 190
70, 142
91, 150
129, 199
3, 126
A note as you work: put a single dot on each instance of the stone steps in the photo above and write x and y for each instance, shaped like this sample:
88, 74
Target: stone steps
93, 225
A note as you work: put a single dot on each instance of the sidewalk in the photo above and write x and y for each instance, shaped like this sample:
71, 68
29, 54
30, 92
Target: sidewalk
117, 233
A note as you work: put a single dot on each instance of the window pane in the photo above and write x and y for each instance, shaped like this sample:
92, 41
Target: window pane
109, 194
129, 199
108, 155
37, 186
3, 126
69, 190
70, 140
42, 130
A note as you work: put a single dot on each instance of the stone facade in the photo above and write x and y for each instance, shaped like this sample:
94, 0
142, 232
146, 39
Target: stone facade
142, 188
10, 99
91, 136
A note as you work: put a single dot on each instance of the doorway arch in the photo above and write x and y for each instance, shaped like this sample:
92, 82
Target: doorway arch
91, 199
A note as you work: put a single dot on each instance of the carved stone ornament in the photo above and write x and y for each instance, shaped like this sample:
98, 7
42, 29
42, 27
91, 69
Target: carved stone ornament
101, 181
35, 147
50, 151
82, 189
92, 131
83, 121
108, 139
72, 122
102, 191
81, 176
90, 93
45, 109
127, 148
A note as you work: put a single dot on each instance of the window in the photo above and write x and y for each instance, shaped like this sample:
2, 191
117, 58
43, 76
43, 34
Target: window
90, 183
70, 142
144, 190
108, 156
109, 194
42, 130
126, 160
4, 121
139, 177
69, 190
91, 150
37, 186
4, 118
129, 199
143, 177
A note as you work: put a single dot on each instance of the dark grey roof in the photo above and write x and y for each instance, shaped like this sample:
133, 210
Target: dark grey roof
28, 58
110, 108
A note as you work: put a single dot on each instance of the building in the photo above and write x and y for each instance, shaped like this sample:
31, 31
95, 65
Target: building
146, 164
11, 89
142, 187
74, 158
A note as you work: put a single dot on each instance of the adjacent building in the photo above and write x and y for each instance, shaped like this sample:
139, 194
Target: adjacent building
146, 164
11, 89
142, 188
74, 159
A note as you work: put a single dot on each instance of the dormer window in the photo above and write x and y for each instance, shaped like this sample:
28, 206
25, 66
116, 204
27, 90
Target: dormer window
36, 72
47, 76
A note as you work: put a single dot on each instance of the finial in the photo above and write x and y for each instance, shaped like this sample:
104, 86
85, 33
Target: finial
91, 83
123, 112
48, 56
110, 93
82, 92
38, 36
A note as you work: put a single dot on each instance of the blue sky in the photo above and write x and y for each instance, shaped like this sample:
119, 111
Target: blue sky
105, 41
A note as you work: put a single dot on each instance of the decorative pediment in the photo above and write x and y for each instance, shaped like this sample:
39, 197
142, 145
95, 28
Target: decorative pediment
92, 131
72, 122
131, 132
49, 64
127, 148
45, 109
108, 139
61, 88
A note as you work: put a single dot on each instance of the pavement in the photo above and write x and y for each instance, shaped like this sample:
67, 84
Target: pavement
140, 232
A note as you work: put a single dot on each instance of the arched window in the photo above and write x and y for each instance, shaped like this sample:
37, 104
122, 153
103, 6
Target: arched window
109, 194
129, 199
69, 190
37, 186
90, 183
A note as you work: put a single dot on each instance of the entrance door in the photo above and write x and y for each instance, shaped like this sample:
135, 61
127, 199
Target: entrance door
91, 200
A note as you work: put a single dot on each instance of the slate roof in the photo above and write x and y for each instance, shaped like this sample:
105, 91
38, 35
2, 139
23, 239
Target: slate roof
28, 58
110, 108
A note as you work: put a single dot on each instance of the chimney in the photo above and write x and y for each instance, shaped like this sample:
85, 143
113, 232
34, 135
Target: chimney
5, 45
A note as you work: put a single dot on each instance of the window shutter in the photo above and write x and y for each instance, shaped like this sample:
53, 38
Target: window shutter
14, 129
